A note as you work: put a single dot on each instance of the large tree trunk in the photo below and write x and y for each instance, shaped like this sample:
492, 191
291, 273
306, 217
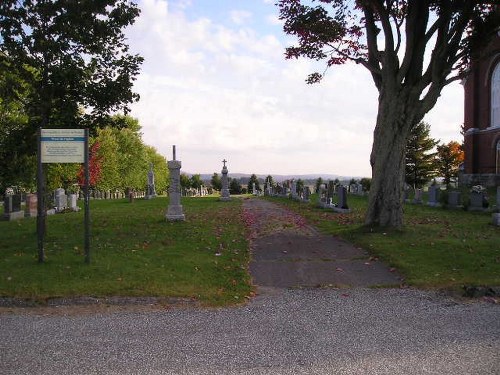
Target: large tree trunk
385, 203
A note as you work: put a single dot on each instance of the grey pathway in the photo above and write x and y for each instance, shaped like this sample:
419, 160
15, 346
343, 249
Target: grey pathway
287, 253
315, 331
323, 330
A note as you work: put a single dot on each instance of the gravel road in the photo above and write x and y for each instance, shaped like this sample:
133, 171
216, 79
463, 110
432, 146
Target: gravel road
302, 331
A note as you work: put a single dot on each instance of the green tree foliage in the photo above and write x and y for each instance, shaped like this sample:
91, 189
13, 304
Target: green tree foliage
196, 181
63, 64
62, 175
269, 180
234, 186
17, 158
366, 183
119, 160
300, 185
411, 48
449, 158
160, 168
253, 180
216, 182
319, 182
420, 161
109, 155
185, 181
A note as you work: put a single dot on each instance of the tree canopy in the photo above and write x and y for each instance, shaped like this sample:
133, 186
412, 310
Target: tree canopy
450, 156
420, 160
63, 64
412, 49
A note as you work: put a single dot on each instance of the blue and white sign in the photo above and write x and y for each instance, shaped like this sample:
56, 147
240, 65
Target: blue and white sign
63, 145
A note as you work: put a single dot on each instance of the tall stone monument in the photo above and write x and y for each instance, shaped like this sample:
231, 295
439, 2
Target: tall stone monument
224, 196
151, 190
174, 211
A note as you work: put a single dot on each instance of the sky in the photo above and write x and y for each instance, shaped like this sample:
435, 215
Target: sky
215, 83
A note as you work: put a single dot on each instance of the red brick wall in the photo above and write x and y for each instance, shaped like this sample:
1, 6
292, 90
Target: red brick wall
480, 146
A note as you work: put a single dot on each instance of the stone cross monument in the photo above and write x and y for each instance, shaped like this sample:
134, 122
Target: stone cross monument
174, 211
225, 184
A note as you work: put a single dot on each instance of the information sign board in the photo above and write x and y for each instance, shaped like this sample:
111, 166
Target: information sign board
63, 145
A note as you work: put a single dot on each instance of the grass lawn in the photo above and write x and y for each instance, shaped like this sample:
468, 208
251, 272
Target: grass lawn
437, 248
134, 252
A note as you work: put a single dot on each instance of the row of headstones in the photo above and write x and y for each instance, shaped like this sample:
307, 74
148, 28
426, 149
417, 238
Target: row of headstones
97, 194
60, 202
476, 199
333, 197
13, 205
192, 192
288, 189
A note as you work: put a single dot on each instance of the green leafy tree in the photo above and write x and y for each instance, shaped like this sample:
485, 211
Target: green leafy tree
392, 40
300, 185
160, 169
449, 158
253, 180
196, 181
216, 182
366, 183
319, 182
64, 63
185, 181
109, 154
269, 181
420, 161
234, 186
17, 158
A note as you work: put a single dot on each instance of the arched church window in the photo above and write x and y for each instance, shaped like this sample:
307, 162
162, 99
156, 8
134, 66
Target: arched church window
495, 97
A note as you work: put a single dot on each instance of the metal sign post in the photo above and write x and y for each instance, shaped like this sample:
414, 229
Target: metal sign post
62, 146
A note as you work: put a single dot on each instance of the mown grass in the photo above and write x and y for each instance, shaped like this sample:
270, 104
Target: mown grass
437, 248
134, 252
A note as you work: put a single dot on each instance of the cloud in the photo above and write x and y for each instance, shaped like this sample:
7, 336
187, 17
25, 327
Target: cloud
219, 90
240, 17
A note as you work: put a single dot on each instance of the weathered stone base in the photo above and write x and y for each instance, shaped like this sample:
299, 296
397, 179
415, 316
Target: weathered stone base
31, 214
174, 213
225, 199
14, 215
175, 217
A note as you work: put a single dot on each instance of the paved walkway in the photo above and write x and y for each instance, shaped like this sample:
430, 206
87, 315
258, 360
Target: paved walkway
287, 253
348, 330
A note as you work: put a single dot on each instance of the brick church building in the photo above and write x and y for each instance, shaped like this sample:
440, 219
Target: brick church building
482, 118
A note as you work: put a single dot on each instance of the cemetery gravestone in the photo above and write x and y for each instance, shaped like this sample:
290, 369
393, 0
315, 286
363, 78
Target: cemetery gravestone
31, 209
72, 202
225, 196
307, 194
151, 189
417, 199
342, 194
61, 200
454, 199
476, 201
12, 207
174, 211
433, 196
496, 215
